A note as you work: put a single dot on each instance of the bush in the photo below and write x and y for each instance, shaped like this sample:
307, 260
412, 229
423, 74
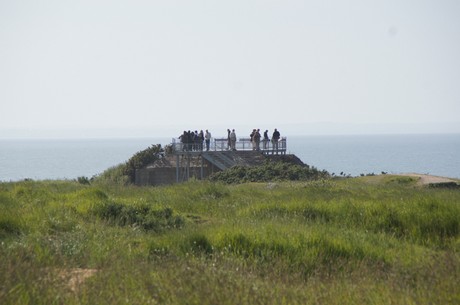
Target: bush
197, 244
9, 227
142, 216
270, 171
83, 180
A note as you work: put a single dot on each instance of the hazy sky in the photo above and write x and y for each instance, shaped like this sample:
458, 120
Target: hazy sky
137, 68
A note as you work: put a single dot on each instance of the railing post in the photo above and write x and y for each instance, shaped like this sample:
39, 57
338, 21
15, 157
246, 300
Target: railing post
177, 168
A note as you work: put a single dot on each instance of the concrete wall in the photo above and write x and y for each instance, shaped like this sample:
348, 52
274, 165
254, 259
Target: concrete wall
155, 176
167, 175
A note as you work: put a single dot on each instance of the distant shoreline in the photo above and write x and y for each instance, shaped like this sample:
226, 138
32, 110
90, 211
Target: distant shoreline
216, 133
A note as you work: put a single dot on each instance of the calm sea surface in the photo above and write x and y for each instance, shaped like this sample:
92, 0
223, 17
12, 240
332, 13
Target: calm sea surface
354, 155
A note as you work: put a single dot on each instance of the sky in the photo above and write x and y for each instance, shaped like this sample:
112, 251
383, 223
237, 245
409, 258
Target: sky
155, 68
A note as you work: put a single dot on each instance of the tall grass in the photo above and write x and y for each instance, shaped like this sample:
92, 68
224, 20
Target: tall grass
349, 241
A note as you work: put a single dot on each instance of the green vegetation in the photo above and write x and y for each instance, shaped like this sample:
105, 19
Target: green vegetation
366, 240
270, 171
125, 173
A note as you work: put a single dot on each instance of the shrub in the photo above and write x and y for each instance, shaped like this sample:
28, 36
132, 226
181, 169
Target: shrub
197, 244
9, 227
83, 180
142, 216
270, 171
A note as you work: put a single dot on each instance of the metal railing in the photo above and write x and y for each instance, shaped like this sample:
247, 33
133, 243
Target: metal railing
223, 144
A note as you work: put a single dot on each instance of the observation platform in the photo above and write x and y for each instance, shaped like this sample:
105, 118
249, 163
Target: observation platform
191, 160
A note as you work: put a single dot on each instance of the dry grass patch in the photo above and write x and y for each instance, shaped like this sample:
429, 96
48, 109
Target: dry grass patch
72, 278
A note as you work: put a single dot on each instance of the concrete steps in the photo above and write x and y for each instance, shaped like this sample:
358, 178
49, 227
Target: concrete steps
226, 159
219, 159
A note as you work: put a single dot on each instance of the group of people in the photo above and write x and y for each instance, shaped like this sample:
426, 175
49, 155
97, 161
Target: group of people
193, 141
231, 139
256, 138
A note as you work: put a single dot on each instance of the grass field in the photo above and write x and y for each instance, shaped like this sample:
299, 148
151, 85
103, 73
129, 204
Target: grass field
367, 240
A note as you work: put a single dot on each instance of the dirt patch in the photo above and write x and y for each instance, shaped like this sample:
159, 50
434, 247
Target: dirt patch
72, 277
77, 276
429, 179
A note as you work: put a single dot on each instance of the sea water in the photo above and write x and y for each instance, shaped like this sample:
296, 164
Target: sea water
66, 159
436, 154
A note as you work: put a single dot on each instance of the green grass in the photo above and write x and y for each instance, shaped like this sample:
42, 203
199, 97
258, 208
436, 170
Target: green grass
367, 240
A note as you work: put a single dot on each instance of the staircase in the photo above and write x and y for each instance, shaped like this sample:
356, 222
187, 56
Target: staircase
221, 159
226, 159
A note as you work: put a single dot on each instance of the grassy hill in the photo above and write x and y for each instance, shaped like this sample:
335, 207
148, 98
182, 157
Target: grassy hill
378, 240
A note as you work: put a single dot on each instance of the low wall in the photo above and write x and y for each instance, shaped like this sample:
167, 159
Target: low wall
155, 176
167, 175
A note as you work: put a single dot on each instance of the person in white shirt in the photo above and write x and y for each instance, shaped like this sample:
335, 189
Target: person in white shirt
207, 138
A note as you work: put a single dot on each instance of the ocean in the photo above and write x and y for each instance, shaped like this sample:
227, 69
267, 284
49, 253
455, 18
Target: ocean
435, 154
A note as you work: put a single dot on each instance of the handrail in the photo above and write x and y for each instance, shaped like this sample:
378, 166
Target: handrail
222, 144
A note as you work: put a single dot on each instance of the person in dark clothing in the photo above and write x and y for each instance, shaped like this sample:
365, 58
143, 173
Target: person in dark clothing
266, 139
200, 140
196, 140
189, 141
183, 141
275, 138
233, 140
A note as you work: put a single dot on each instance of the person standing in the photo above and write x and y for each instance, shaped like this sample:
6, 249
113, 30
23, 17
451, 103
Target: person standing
253, 143
233, 140
257, 139
266, 139
196, 140
200, 140
275, 139
229, 142
189, 141
183, 141
207, 137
